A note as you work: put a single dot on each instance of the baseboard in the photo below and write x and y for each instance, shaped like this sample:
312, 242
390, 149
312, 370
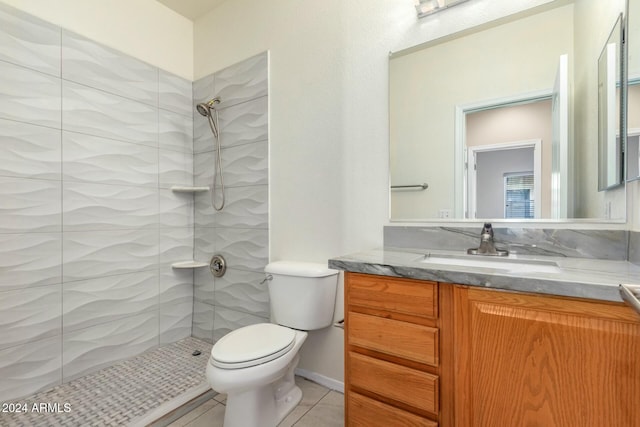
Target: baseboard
321, 379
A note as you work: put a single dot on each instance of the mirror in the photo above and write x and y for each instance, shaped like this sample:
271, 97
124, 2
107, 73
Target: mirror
501, 121
609, 108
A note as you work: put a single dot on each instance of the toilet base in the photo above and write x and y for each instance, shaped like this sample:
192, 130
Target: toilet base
256, 408
264, 406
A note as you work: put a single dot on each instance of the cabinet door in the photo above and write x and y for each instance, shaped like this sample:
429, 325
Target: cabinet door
529, 360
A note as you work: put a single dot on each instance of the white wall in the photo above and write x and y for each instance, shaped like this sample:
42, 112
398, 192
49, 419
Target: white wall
329, 116
144, 29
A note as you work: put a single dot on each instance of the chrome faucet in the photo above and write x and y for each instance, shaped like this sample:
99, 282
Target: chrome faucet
487, 245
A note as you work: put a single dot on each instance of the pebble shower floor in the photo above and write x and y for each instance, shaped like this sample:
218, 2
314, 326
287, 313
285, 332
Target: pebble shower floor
117, 395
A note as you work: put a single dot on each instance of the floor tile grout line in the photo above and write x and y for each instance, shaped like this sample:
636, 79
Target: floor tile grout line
204, 413
311, 407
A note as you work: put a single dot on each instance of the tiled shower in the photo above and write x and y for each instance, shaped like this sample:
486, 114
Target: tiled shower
91, 142
240, 232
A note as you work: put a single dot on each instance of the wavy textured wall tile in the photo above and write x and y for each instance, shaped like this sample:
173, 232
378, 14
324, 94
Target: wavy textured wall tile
28, 41
246, 164
176, 168
228, 320
245, 80
107, 161
176, 285
203, 139
175, 94
204, 242
29, 260
27, 368
240, 231
244, 123
202, 92
29, 96
176, 303
94, 112
175, 321
202, 89
244, 249
90, 349
202, 321
203, 286
101, 253
29, 151
108, 207
203, 212
242, 291
176, 209
90, 63
203, 164
29, 315
29, 205
245, 207
89, 199
104, 299
176, 244
175, 132
239, 124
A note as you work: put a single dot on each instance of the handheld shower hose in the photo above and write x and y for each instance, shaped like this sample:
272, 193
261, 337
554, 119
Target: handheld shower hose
208, 109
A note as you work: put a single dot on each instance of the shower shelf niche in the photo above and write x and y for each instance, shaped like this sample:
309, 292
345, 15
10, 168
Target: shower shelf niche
189, 264
180, 189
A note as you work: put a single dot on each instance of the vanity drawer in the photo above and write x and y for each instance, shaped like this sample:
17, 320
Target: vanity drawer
406, 296
365, 412
407, 340
399, 383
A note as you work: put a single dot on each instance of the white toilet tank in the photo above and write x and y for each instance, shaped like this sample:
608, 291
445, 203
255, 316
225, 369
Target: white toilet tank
302, 294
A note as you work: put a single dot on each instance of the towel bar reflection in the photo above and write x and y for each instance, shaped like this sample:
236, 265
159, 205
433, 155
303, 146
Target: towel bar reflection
418, 187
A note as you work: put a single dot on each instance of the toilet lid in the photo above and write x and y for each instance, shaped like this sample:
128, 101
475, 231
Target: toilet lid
252, 345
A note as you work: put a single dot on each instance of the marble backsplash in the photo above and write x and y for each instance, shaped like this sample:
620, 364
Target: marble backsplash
634, 247
598, 244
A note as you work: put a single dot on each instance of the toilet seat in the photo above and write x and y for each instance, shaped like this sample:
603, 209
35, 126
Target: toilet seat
252, 345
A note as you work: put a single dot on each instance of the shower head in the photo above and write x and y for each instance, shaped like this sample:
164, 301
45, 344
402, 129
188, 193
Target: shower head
204, 108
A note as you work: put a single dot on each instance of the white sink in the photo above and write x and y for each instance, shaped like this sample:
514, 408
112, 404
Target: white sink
513, 265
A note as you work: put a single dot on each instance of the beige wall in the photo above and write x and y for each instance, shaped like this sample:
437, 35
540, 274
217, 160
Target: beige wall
517, 123
144, 29
426, 86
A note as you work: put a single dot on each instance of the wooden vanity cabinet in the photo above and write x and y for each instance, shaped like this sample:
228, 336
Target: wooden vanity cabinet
421, 353
392, 352
533, 360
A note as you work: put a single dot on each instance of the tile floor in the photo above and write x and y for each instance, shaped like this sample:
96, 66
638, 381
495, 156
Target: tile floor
115, 396
320, 407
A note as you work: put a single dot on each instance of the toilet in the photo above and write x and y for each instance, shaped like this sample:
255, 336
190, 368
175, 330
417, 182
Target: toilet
254, 365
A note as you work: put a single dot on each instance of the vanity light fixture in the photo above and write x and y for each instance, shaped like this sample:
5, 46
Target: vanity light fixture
428, 7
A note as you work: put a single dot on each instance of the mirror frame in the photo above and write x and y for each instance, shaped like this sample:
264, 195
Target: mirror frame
603, 117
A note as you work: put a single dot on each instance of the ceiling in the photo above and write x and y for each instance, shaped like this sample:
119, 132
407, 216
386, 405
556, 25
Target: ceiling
191, 9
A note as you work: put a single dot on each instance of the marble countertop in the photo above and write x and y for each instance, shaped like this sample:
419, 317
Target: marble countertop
573, 277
